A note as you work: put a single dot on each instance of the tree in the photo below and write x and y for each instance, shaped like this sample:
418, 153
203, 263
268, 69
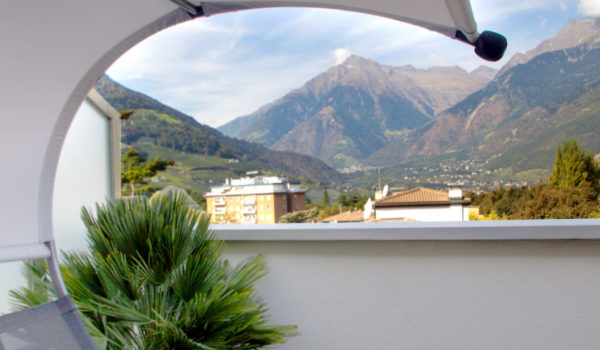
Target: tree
573, 167
551, 202
325, 198
125, 114
354, 201
154, 279
299, 216
135, 168
327, 212
505, 203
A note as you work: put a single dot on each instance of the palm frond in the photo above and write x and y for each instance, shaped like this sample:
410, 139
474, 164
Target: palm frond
154, 279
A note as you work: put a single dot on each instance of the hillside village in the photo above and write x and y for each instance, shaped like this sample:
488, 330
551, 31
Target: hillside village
470, 174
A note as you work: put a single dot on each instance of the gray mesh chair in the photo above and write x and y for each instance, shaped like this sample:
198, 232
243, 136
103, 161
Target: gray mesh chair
55, 326
52, 326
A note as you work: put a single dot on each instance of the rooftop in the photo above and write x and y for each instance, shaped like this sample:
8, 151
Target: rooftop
347, 216
255, 185
422, 195
252, 181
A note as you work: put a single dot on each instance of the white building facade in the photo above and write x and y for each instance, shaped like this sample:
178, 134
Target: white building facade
421, 204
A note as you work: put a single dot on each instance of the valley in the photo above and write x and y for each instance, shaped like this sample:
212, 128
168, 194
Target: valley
360, 124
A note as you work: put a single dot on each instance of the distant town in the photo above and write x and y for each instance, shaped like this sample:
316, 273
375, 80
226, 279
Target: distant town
470, 175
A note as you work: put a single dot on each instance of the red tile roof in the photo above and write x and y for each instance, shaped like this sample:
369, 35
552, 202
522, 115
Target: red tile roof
372, 219
347, 216
416, 195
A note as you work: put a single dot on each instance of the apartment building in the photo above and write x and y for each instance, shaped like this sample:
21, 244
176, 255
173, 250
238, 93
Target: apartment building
254, 200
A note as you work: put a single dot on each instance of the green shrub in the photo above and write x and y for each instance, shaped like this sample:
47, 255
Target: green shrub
154, 279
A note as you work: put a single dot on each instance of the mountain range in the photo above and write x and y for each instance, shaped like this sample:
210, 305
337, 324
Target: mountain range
522, 115
353, 109
155, 127
363, 112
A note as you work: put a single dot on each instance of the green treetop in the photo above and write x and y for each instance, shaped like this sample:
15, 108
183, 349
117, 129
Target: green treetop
573, 167
135, 168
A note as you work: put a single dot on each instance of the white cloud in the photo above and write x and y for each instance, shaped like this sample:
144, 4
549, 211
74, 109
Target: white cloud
563, 6
589, 7
341, 54
490, 11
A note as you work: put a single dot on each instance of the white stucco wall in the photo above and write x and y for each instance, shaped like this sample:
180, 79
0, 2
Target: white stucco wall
465, 213
432, 294
84, 177
84, 174
452, 212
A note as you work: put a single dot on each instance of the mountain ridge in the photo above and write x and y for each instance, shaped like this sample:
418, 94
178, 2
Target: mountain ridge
586, 30
510, 120
189, 136
354, 108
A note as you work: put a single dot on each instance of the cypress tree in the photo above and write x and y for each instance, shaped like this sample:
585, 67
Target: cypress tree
325, 198
574, 167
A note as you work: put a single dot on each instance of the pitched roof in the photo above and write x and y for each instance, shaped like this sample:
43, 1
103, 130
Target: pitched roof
419, 194
416, 196
373, 219
347, 216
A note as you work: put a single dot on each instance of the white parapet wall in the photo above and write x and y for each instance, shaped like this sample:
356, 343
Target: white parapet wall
430, 294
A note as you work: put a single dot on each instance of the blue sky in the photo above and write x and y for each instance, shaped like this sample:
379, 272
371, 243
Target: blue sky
225, 66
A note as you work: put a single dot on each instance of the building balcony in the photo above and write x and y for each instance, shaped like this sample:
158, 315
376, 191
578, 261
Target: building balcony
251, 200
220, 211
219, 201
249, 209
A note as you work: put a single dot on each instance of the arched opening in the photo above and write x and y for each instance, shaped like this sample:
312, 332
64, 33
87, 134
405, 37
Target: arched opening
67, 47
454, 20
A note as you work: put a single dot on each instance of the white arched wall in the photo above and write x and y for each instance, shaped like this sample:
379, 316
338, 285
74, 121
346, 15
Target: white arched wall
39, 41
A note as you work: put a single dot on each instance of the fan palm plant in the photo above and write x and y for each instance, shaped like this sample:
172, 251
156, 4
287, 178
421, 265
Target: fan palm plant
154, 279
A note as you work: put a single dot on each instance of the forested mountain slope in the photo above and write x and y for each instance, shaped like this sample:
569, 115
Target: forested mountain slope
166, 127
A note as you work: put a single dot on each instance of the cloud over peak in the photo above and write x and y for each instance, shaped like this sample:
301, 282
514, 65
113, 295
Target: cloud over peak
589, 7
341, 55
